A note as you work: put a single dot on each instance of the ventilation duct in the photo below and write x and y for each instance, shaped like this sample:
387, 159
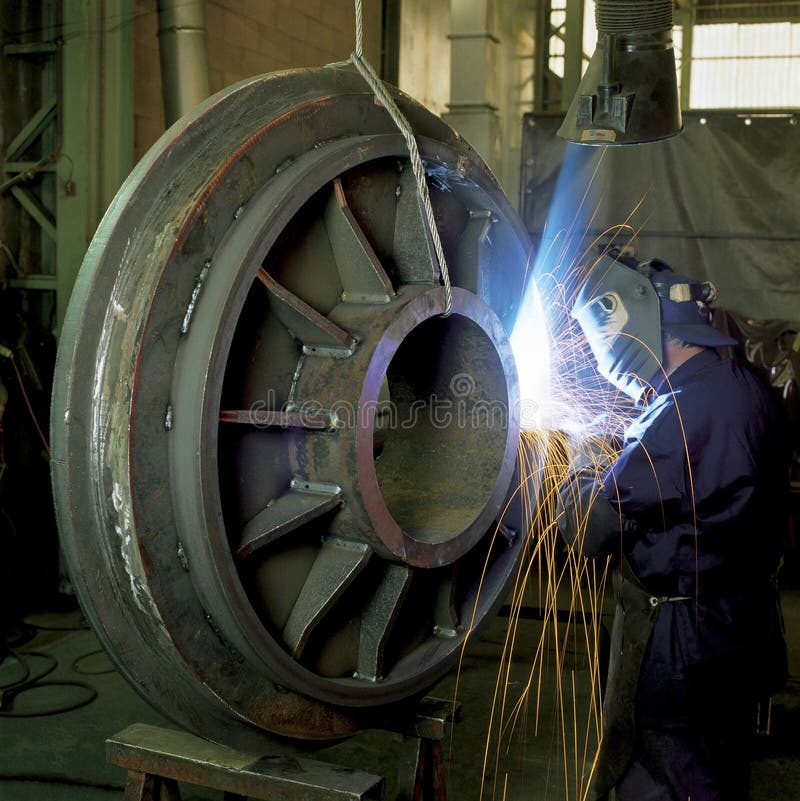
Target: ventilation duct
629, 93
184, 59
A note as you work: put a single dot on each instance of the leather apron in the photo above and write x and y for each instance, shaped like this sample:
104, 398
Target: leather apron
634, 620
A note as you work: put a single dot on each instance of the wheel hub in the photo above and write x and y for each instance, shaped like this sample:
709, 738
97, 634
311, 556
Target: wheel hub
417, 393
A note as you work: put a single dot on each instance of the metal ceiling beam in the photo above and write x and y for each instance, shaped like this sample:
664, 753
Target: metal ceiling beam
733, 11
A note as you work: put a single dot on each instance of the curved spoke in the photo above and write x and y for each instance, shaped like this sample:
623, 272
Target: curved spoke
314, 330
285, 514
363, 278
378, 620
336, 566
266, 418
415, 259
470, 248
446, 620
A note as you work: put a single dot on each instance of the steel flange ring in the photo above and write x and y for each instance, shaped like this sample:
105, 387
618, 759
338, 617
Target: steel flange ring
268, 523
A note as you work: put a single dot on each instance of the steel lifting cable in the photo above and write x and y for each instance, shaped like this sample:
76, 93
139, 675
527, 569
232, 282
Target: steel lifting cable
358, 60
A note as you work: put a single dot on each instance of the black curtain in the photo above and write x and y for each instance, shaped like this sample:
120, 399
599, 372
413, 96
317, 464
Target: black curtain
720, 202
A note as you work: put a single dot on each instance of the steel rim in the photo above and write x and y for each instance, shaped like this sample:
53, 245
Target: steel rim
181, 577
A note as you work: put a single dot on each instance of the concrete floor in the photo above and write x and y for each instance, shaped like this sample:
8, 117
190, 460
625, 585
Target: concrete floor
60, 757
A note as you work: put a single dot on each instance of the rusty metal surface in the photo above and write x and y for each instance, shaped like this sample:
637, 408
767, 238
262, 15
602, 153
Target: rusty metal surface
257, 320
183, 757
290, 511
304, 323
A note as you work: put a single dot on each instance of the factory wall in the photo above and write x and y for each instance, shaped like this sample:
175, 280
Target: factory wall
516, 21
472, 62
255, 36
249, 37
425, 52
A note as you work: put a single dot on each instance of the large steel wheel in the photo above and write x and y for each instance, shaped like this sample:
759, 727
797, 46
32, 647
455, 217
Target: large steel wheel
278, 468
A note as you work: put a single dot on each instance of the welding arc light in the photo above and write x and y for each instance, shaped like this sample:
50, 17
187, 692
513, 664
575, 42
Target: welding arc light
629, 93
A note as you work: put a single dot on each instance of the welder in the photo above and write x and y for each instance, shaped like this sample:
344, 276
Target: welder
692, 512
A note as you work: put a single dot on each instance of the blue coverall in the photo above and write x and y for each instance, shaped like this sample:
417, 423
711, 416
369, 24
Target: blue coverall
701, 482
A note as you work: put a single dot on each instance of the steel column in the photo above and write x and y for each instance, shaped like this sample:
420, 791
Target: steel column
473, 77
96, 108
573, 51
685, 17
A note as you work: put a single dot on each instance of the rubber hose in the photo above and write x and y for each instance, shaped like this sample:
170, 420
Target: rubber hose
633, 16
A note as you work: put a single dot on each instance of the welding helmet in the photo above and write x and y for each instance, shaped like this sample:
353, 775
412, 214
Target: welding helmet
618, 309
623, 308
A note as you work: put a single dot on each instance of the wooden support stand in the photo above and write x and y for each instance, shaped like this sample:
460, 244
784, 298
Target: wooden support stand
421, 775
157, 759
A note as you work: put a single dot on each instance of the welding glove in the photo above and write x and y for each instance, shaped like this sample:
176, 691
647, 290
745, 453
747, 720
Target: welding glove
590, 452
586, 518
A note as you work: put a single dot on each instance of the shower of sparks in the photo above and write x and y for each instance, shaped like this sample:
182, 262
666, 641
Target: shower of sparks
534, 364
571, 416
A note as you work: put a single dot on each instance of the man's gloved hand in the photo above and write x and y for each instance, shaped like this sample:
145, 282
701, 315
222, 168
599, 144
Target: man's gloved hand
594, 453
585, 517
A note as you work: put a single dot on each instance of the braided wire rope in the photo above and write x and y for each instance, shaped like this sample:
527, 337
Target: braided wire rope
360, 62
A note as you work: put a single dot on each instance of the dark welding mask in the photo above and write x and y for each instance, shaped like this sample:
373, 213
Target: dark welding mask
618, 309
623, 310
